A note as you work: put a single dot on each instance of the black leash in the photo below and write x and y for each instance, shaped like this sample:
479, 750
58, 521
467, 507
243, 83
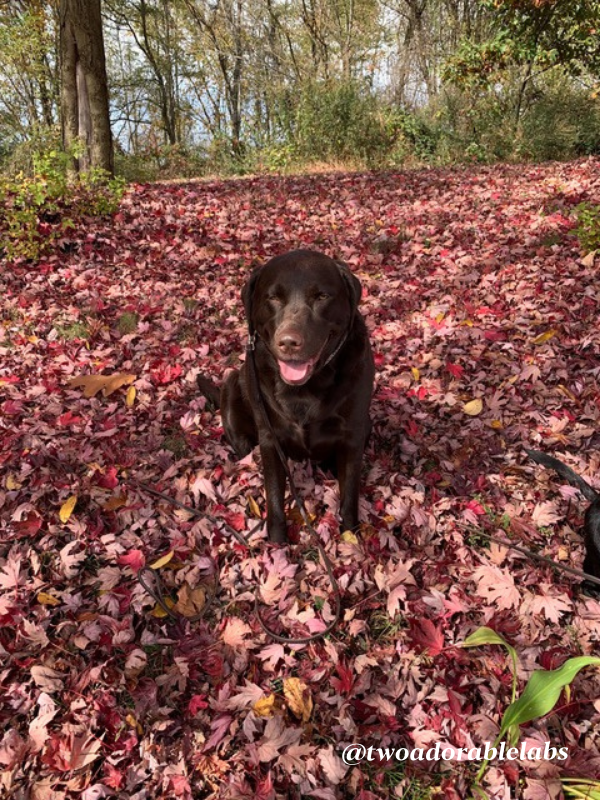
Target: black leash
156, 591
537, 556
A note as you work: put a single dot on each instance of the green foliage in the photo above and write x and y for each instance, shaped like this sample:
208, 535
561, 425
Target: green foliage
588, 227
560, 121
334, 120
581, 788
76, 330
488, 636
39, 208
539, 35
128, 322
479, 63
540, 695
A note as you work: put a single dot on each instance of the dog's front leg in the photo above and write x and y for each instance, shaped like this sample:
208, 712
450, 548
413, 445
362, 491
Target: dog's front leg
349, 463
275, 490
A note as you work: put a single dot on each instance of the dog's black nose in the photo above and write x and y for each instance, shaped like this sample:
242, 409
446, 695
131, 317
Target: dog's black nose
290, 342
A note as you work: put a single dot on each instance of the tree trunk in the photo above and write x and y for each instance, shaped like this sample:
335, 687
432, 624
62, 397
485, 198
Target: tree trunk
84, 91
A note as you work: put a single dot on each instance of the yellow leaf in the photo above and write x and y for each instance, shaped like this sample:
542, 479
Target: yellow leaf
67, 508
566, 392
107, 384
162, 560
133, 723
468, 322
473, 407
440, 317
33, 339
254, 509
190, 601
12, 482
264, 707
130, 398
497, 425
159, 612
47, 599
294, 515
348, 536
298, 699
415, 373
545, 337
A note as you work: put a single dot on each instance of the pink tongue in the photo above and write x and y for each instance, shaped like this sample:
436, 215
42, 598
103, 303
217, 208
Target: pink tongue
294, 371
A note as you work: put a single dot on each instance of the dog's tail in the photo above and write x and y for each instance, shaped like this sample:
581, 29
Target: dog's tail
565, 472
210, 390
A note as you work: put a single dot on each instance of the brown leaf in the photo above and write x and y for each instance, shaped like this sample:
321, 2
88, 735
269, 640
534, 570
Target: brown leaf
588, 261
118, 501
190, 601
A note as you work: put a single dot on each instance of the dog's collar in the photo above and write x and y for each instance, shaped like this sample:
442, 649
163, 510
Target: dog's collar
251, 342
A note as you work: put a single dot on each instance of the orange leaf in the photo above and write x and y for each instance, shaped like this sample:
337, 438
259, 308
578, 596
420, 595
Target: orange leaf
107, 384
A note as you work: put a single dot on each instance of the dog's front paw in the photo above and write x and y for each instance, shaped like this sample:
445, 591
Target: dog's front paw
277, 532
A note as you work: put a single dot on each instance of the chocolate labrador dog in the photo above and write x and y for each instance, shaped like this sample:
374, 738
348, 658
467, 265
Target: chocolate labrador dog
314, 372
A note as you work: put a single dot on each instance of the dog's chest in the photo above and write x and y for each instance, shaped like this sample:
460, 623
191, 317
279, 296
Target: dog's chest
306, 430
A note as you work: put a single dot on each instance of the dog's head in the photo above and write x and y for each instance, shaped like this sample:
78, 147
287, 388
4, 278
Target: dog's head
301, 304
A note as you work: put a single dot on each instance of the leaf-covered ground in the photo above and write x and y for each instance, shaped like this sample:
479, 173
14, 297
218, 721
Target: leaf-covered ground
474, 289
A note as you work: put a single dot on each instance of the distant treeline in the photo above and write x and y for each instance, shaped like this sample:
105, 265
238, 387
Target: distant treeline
199, 86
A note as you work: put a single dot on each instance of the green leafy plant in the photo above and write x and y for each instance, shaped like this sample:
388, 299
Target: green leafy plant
38, 208
588, 227
538, 698
581, 788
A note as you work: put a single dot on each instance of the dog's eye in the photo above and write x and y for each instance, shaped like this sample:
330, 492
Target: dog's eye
322, 296
273, 297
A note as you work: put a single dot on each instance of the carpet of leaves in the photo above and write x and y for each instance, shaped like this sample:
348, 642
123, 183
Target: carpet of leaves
474, 289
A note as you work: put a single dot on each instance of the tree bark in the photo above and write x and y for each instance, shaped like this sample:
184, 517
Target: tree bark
84, 90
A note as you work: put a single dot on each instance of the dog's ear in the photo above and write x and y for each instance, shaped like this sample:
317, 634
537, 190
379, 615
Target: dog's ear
352, 283
248, 293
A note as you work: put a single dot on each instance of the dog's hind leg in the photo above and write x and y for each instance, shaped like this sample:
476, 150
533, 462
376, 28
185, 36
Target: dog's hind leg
237, 416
